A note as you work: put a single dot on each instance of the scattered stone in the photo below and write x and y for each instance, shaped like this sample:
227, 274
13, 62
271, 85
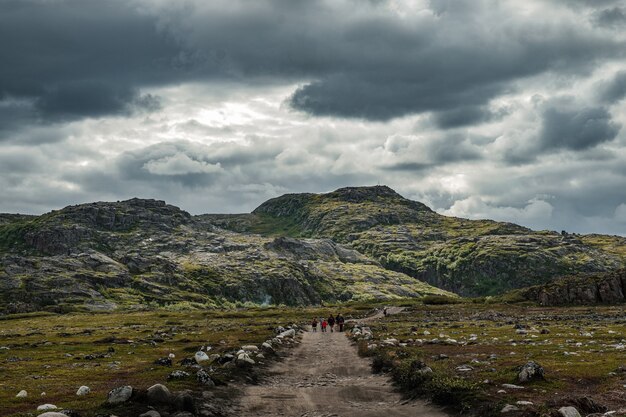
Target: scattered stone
188, 362
287, 333
243, 359
509, 408
185, 402
524, 403
178, 374
531, 371
420, 368
171, 356
464, 368
52, 414
511, 386
569, 412
183, 414
83, 390
120, 394
159, 394
22, 394
46, 407
163, 362
201, 357
250, 348
151, 413
204, 378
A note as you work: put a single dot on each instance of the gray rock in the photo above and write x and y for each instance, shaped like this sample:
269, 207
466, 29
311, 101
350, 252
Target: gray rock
569, 412
52, 414
532, 371
83, 390
185, 402
151, 413
159, 394
204, 378
22, 394
201, 357
46, 407
120, 394
178, 374
509, 408
183, 414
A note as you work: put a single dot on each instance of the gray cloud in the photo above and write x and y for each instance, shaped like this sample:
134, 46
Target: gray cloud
612, 18
614, 90
576, 129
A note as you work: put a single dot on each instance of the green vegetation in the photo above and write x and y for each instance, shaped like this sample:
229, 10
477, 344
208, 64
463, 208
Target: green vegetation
580, 349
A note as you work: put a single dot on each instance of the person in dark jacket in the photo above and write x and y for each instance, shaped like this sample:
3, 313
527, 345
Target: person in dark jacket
340, 321
331, 322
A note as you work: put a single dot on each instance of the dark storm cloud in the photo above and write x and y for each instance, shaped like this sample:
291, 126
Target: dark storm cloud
611, 18
75, 58
576, 129
462, 116
613, 90
87, 58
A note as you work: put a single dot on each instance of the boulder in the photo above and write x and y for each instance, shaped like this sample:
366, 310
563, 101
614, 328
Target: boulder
120, 394
178, 374
151, 413
569, 412
531, 371
159, 394
163, 361
22, 394
243, 360
46, 407
509, 408
204, 378
83, 390
52, 414
287, 333
185, 402
250, 348
201, 357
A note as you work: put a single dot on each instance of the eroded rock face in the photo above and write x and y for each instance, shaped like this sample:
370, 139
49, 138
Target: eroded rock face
599, 288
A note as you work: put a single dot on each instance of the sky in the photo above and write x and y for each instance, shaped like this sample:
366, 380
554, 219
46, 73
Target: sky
508, 110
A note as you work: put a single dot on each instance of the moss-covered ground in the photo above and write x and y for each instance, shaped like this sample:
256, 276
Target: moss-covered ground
51, 353
581, 349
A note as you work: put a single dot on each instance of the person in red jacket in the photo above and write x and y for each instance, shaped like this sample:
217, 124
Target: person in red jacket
324, 325
331, 322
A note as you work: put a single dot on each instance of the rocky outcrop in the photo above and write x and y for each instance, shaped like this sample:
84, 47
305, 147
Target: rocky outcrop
602, 288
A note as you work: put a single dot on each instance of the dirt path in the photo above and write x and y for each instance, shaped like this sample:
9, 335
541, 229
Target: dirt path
324, 377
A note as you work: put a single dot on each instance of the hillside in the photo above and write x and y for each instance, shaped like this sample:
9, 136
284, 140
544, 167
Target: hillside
133, 253
468, 257
298, 249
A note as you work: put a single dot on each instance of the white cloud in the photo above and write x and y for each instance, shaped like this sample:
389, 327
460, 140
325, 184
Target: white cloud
180, 164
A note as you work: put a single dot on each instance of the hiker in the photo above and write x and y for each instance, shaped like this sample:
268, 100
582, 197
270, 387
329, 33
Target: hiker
331, 322
324, 324
340, 321
314, 324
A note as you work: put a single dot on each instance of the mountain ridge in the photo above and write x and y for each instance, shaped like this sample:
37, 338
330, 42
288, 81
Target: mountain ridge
351, 244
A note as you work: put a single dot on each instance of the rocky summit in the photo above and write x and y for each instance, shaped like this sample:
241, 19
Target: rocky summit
351, 244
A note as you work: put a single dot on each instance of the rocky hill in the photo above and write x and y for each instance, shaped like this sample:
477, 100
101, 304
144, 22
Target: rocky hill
101, 256
468, 257
353, 243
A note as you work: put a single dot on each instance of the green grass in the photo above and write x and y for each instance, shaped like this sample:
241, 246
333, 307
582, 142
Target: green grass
584, 370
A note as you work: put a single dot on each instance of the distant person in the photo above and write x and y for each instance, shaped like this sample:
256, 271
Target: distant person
331, 322
314, 324
340, 321
324, 325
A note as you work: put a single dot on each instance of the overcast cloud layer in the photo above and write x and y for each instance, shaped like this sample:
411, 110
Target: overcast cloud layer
508, 110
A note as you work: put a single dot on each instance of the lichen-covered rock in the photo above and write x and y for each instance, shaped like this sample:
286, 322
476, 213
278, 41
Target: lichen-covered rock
531, 371
120, 394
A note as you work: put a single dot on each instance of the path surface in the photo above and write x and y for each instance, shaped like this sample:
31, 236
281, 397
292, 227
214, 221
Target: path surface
324, 377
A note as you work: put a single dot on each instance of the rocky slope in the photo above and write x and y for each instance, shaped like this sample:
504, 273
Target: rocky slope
353, 243
101, 256
582, 289
468, 257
